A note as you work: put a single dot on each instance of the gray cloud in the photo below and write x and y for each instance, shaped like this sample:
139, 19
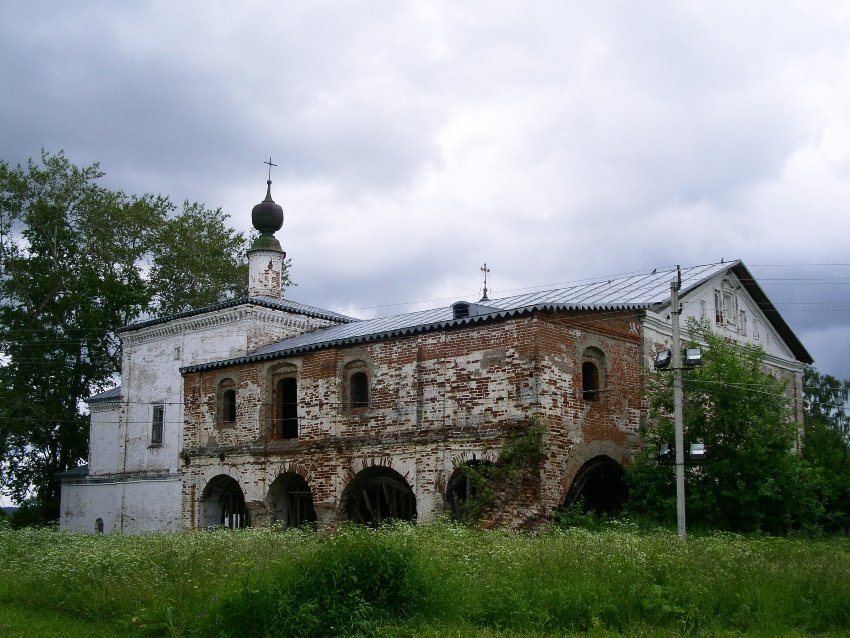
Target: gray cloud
556, 141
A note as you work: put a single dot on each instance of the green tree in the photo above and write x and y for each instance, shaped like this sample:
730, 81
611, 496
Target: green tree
75, 259
197, 260
751, 478
826, 444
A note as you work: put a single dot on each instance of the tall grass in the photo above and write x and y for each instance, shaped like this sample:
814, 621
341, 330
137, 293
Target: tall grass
440, 578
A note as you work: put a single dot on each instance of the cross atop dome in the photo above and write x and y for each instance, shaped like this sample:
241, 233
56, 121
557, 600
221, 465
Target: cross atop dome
265, 259
267, 218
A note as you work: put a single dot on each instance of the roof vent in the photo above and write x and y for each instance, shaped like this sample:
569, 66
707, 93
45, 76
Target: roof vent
460, 310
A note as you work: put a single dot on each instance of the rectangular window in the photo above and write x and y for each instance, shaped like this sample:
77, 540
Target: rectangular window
756, 329
742, 322
730, 308
156, 425
702, 310
718, 307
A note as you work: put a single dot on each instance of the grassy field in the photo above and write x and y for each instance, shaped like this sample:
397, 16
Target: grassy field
435, 580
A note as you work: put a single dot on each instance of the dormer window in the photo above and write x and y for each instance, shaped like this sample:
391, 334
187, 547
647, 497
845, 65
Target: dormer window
460, 310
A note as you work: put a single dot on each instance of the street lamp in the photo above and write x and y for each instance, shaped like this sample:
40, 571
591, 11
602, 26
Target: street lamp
693, 357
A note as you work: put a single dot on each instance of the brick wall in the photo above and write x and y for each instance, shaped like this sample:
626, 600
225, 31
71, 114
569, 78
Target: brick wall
436, 399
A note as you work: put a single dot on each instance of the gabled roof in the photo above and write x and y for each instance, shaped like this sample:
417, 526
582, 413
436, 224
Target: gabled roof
113, 394
643, 291
264, 302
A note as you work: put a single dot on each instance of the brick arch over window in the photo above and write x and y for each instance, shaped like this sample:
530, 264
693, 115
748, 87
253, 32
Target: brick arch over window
356, 388
463, 487
593, 369
377, 494
599, 487
285, 423
290, 500
225, 401
223, 503
280, 401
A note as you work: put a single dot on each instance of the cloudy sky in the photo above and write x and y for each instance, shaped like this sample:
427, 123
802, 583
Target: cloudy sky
557, 141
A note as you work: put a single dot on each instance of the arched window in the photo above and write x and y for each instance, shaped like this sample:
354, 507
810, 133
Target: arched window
599, 487
592, 373
290, 501
359, 384
286, 409
463, 489
223, 503
226, 402
355, 390
589, 381
98, 526
377, 494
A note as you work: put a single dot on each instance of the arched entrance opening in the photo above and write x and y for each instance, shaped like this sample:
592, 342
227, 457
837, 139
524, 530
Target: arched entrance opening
290, 501
599, 486
223, 503
463, 487
378, 494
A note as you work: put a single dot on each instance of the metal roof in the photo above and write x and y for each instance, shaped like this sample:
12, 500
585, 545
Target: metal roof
265, 302
79, 471
112, 394
628, 292
644, 290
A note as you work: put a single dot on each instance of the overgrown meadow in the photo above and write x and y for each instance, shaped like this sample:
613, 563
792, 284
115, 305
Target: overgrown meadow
429, 580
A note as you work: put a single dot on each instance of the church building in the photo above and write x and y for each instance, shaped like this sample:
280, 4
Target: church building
261, 409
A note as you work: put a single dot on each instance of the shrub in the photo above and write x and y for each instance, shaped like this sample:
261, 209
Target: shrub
354, 579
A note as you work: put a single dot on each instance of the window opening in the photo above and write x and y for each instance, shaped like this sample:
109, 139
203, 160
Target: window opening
287, 409
599, 487
227, 402
223, 504
718, 307
590, 381
156, 424
461, 490
730, 308
98, 526
359, 387
377, 494
291, 501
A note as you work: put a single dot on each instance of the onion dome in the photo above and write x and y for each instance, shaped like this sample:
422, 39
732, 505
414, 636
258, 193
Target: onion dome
267, 218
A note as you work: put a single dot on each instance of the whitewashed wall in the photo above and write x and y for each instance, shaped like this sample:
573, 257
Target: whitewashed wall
700, 303
133, 484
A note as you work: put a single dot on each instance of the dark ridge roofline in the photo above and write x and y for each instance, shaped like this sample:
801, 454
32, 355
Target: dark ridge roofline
80, 470
412, 330
255, 301
770, 311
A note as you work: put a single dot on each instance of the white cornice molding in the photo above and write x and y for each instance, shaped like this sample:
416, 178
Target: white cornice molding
264, 316
105, 406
